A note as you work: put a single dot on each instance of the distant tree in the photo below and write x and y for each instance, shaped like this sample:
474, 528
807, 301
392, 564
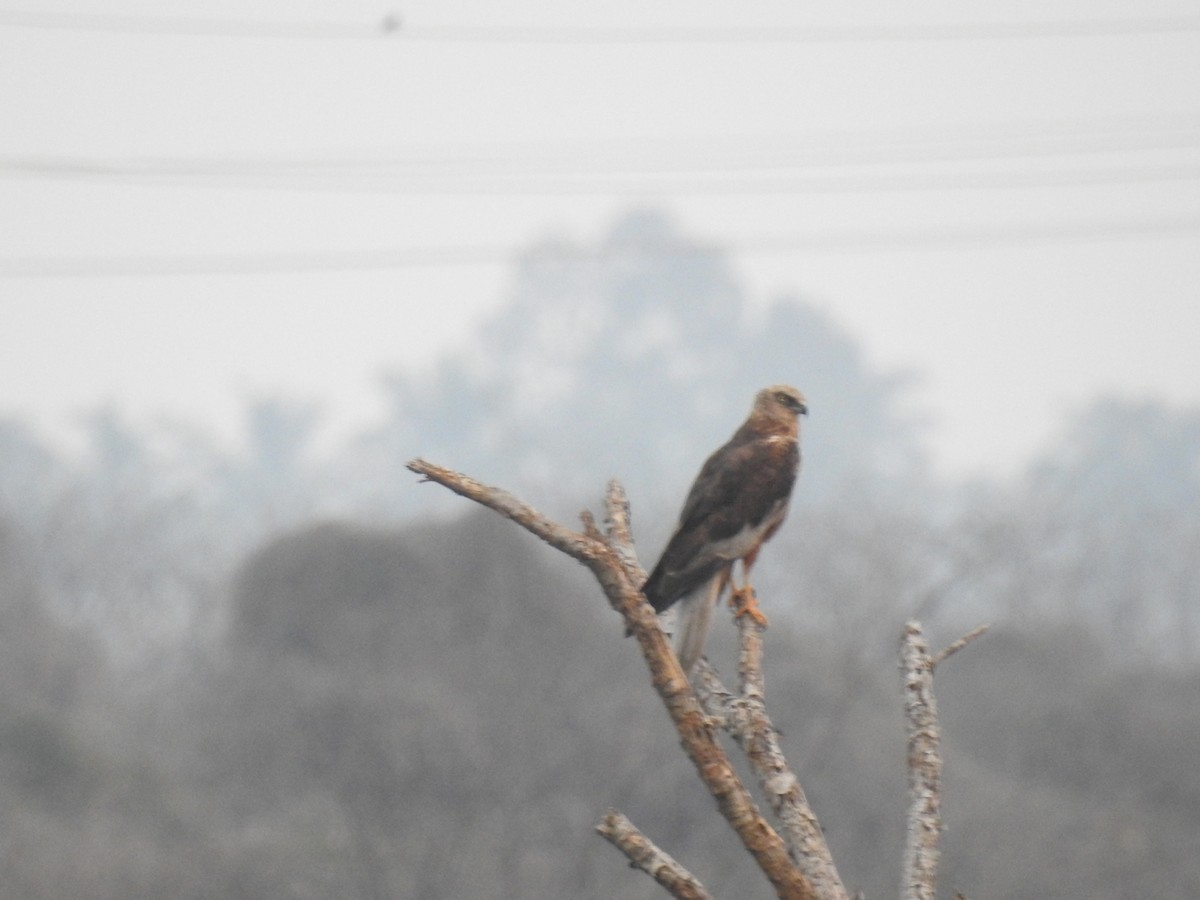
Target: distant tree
32, 476
317, 594
625, 357
49, 669
273, 482
120, 545
1139, 456
1103, 531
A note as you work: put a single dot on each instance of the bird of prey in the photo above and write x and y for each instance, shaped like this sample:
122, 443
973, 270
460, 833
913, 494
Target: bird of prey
736, 503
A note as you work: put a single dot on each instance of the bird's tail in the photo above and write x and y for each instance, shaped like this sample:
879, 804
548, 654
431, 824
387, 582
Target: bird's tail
695, 616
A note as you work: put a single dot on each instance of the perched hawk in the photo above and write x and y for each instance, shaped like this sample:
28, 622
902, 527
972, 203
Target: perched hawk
737, 502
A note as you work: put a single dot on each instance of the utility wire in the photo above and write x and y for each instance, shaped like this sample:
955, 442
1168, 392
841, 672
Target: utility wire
811, 34
468, 255
722, 164
392, 26
646, 161
688, 184
199, 26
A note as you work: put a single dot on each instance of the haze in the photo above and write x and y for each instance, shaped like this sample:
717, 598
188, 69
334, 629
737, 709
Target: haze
201, 210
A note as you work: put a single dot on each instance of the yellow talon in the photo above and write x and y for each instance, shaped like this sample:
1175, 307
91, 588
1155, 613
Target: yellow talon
745, 603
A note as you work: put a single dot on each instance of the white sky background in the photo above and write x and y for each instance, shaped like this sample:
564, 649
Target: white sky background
1016, 219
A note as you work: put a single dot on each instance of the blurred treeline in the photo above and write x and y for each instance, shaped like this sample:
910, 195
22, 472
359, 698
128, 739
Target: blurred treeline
268, 672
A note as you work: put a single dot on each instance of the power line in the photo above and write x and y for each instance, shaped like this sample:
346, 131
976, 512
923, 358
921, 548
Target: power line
198, 26
254, 264
471, 255
821, 162
392, 27
676, 184
813, 34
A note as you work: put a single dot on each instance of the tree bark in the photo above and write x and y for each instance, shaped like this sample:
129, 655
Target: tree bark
642, 853
923, 835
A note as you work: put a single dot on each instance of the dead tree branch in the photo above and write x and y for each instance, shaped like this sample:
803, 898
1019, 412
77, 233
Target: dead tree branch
959, 644
609, 565
922, 853
924, 828
643, 854
745, 718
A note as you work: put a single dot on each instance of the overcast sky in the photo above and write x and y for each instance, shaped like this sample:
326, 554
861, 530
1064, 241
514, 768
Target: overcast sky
249, 199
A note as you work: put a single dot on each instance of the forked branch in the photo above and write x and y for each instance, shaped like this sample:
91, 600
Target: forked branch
609, 559
922, 845
745, 718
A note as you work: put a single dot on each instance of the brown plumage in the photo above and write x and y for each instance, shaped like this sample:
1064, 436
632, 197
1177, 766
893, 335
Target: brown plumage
736, 504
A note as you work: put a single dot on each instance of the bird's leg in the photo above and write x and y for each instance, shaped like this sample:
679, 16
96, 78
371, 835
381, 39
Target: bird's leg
724, 580
742, 599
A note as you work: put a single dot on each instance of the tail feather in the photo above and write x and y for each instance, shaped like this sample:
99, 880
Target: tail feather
695, 616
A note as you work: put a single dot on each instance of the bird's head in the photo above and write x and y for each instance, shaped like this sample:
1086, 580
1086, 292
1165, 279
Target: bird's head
781, 401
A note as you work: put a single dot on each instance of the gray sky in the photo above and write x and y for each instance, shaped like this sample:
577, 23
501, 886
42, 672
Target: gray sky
1003, 199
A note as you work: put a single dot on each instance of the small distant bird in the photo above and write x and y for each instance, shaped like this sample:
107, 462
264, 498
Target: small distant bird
737, 502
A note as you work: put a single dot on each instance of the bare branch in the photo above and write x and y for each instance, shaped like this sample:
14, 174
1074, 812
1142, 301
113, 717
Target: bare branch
619, 529
624, 594
561, 538
644, 855
782, 789
751, 683
921, 854
959, 644
718, 701
745, 719
589, 526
